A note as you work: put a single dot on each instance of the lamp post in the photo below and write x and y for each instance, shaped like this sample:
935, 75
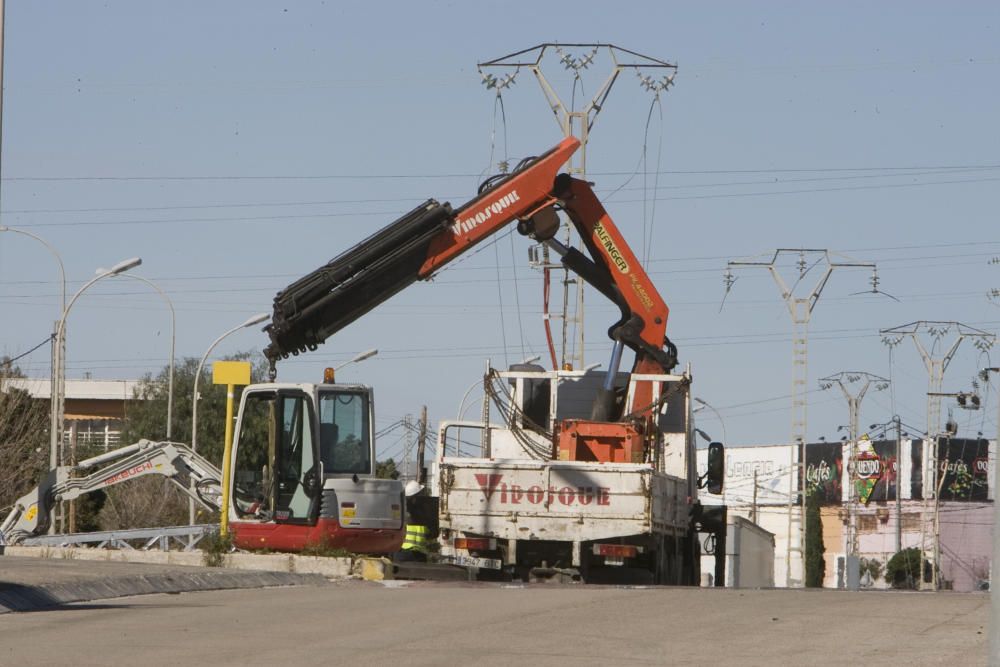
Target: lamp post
48, 246
361, 356
57, 404
173, 342
256, 319
56, 352
717, 416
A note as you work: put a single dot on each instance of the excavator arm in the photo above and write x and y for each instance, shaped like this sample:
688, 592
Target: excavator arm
427, 238
191, 473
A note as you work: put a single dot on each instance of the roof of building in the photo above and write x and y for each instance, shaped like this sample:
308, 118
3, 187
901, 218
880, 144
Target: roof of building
107, 390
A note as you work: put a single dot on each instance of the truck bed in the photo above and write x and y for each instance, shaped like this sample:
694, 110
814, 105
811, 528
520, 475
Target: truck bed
560, 500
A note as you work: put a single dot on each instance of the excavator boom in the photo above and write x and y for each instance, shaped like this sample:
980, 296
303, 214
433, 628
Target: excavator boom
191, 473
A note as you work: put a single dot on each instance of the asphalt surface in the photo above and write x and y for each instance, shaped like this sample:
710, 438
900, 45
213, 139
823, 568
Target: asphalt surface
30, 584
365, 623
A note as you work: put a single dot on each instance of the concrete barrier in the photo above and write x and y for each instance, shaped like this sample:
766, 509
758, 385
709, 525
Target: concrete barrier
361, 567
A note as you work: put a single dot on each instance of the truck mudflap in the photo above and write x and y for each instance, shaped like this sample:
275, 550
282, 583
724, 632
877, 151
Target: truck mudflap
326, 532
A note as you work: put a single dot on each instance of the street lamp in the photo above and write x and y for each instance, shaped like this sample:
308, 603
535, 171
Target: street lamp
62, 270
57, 402
256, 319
361, 356
703, 405
62, 309
173, 341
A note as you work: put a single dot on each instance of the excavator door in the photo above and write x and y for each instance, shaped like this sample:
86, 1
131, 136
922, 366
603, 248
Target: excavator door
277, 472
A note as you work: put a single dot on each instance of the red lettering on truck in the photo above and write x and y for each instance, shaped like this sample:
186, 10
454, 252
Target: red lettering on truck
514, 494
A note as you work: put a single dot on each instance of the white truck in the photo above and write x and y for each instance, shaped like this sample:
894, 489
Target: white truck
509, 506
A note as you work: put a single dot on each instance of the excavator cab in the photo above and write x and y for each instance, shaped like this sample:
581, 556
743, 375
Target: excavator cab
304, 472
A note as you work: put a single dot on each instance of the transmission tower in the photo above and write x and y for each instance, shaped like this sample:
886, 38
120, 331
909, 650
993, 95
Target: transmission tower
800, 308
861, 382
994, 294
574, 123
936, 363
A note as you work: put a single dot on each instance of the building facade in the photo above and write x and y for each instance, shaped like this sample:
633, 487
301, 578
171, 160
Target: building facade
936, 496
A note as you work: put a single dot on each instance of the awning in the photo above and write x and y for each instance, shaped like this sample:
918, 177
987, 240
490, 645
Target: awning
72, 417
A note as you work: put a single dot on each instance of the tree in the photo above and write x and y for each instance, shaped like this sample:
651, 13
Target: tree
155, 501
815, 563
386, 469
146, 413
903, 569
24, 438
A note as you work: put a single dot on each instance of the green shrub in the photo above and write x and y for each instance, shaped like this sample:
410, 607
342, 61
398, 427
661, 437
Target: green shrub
903, 569
214, 548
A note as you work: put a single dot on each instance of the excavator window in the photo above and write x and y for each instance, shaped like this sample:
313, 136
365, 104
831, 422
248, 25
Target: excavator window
345, 447
276, 472
296, 460
253, 476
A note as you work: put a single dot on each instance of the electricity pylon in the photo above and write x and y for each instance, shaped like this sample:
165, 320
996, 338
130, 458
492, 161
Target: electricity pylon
574, 123
800, 308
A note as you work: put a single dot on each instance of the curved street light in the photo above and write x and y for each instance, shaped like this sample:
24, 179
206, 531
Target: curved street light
256, 319
58, 399
62, 269
55, 427
699, 401
173, 341
361, 356
56, 369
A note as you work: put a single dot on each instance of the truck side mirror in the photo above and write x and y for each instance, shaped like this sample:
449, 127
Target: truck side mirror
716, 467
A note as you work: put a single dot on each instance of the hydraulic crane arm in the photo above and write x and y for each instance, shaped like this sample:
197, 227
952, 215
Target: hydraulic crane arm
426, 239
178, 463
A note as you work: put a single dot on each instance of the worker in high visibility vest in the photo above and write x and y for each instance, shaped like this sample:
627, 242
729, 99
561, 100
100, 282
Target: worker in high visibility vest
417, 544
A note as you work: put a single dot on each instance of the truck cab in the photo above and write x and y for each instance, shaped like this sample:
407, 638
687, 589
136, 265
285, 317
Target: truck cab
303, 472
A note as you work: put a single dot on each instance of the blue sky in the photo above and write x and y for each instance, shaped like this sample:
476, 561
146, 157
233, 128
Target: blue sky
235, 146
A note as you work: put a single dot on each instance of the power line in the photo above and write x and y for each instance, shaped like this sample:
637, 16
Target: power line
400, 176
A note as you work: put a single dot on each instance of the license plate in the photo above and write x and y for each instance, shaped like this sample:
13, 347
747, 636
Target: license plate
611, 560
482, 563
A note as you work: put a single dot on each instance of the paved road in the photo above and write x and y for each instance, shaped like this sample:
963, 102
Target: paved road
359, 623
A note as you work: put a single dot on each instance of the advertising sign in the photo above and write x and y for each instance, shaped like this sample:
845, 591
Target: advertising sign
963, 465
824, 471
887, 482
771, 465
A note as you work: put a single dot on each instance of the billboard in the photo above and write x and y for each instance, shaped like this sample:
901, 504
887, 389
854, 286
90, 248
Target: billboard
888, 478
963, 465
771, 465
825, 471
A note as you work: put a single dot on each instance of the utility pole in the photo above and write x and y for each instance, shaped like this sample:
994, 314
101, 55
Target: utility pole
753, 507
995, 563
574, 123
936, 365
422, 447
844, 380
800, 308
899, 486
407, 445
